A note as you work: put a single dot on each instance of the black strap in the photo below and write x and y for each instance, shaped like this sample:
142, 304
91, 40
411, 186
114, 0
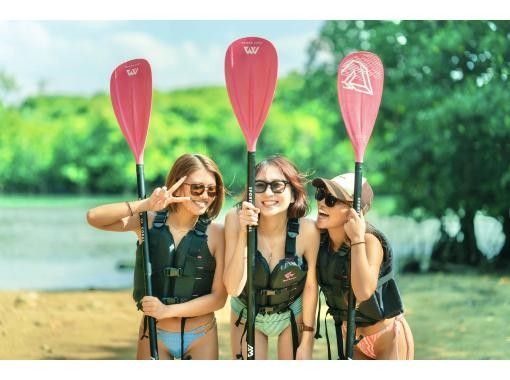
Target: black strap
327, 336
160, 219
237, 323
145, 327
201, 225
183, 323
318, 332
295, 337
339, 340
290, 241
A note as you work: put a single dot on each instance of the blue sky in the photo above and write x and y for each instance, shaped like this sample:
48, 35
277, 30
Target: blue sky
77, 57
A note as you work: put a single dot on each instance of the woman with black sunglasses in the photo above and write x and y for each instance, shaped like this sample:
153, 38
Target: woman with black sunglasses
287, 244
347, 240
186, 254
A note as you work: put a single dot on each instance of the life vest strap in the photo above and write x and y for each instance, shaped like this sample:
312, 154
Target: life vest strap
290, 241
160, 219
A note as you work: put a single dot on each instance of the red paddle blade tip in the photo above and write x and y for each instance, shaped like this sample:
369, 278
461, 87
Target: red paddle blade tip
131, 95
360, 85
251, 68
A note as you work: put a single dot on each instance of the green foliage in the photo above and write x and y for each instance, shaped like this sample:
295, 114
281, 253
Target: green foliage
57, 144
443, 131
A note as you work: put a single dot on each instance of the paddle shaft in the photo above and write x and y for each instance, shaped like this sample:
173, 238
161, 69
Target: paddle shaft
351, 300
252, 247
140, 180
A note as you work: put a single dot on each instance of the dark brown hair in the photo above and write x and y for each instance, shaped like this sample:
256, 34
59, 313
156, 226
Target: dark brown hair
189, 163
300, 206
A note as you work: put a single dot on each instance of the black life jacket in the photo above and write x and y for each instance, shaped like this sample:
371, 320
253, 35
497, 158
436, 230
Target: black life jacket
275, 291
332, 276
179, 274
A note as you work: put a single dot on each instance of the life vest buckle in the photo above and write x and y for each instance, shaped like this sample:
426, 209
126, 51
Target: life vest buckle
170, 300
172, 272
266, 310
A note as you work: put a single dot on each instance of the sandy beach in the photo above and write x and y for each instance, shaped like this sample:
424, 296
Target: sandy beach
73, 325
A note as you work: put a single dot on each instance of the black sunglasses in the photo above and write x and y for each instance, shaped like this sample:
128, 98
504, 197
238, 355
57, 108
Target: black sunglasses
329, 200
197, 189
277, 187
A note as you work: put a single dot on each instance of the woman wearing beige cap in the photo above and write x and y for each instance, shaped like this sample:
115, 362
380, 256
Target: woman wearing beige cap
381, 329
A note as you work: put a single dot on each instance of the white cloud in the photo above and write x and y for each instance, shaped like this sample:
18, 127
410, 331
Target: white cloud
78, 57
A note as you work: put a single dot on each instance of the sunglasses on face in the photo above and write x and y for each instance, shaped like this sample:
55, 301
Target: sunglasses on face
197, 189
277, 187
329, 200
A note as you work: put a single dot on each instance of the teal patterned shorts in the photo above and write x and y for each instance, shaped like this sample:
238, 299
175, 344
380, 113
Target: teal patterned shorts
268, 324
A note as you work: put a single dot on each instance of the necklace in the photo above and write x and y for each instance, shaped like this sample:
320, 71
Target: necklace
267, 249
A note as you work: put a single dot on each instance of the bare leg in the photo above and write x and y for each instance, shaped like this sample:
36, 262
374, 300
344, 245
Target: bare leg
285, 341
143, 351
205, 347
235, 337
357, 354
396, 343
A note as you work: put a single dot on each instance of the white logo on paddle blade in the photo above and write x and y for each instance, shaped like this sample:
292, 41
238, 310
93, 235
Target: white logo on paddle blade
132, 72
251, 49
357, 77
250, 351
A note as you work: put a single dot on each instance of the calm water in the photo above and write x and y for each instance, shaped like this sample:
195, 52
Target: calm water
50, 248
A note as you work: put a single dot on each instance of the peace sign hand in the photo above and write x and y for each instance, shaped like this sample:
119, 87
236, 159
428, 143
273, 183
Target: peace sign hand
161, 197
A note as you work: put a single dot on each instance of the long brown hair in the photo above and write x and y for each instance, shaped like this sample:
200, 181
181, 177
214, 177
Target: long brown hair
189, 163
300, 206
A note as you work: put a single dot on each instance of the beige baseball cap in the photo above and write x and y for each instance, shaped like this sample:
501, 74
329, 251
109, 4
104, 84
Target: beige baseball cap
342, 187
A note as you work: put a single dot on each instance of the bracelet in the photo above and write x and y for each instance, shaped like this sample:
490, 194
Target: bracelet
307, 328
129, 207
359, 242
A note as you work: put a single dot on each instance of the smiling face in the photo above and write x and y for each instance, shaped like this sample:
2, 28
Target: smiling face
269, 202
198, 204
331, 217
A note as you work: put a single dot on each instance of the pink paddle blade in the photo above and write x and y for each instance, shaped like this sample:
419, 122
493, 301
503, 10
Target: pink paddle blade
251, 67
131, 94
360, 86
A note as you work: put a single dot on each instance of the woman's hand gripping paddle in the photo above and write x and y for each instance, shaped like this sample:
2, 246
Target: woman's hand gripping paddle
251, 67
131, 94
360, 86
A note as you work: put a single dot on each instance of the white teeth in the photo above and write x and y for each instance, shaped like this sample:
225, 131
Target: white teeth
200, 204
269, 203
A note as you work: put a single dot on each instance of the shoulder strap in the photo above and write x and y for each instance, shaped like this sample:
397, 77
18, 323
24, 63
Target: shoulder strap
201, 226
324, 237
292, 233
160, 219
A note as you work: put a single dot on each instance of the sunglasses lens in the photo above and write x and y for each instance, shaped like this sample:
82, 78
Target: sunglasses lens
278, 186
319, 194
330, 200
197, 189
211, 191
260, 186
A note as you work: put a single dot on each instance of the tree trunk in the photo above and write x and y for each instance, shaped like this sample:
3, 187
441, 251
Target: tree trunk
503, 258
470, 254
